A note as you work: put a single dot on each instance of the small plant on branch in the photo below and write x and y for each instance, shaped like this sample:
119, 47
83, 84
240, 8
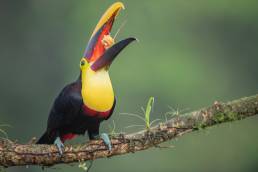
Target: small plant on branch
146, 113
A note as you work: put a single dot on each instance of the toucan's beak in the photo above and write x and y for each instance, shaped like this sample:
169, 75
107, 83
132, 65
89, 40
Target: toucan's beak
110, 54
95, 48
95, 52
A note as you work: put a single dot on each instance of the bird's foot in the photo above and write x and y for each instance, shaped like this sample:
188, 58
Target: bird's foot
60, 145
106, 140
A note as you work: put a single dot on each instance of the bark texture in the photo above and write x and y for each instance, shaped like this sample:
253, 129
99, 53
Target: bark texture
14, 154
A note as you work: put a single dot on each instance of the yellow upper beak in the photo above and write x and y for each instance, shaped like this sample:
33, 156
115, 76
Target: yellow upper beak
95, 47
113, 9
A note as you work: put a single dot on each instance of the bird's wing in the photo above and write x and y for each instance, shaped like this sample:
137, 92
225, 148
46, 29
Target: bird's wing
66, 107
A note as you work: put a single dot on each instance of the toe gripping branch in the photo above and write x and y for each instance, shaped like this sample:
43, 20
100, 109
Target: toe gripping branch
106, 140
60, 145
104, 136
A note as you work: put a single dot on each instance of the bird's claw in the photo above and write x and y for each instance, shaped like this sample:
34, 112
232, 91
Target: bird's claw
106, 140
60, 145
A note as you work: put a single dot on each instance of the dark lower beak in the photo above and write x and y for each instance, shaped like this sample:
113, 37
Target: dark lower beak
110, 54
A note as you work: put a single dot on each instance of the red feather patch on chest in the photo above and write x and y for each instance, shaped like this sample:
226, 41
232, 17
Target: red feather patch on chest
92, 113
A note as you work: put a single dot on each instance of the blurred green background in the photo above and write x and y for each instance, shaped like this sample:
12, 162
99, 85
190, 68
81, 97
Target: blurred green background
190, 54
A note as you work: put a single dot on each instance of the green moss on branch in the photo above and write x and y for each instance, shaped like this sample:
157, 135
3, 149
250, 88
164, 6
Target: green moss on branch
14, 154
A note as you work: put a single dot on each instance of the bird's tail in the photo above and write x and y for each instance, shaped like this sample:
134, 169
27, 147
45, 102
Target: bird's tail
46, 139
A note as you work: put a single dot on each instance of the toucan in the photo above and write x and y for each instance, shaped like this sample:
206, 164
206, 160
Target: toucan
83, 104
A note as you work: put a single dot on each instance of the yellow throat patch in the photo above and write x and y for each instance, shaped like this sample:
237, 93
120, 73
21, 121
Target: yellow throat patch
97, 91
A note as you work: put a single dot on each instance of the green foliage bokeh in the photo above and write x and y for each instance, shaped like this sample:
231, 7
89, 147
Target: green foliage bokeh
190, 53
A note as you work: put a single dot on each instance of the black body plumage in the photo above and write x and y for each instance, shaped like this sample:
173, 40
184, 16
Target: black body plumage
68, 117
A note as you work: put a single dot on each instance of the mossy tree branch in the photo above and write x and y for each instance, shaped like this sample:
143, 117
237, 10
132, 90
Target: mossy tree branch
14, 154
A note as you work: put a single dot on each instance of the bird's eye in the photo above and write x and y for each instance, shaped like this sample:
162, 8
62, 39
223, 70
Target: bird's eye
82, 63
